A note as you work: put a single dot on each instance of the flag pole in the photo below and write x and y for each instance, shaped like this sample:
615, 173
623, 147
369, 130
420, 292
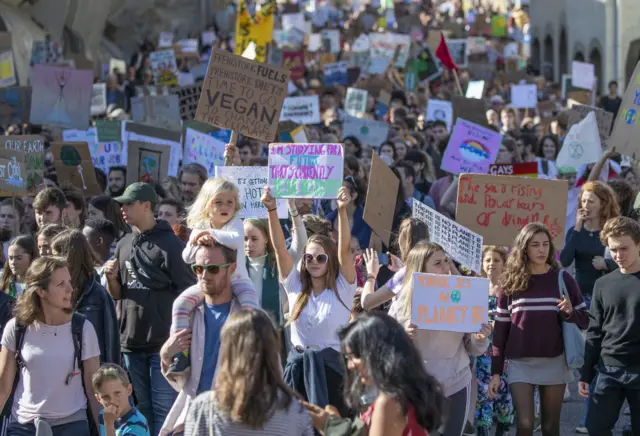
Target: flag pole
457, 79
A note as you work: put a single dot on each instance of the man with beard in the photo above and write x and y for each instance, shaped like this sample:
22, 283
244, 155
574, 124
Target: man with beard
192, 177
117, 181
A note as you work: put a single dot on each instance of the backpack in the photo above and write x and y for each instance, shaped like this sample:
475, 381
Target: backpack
77, 324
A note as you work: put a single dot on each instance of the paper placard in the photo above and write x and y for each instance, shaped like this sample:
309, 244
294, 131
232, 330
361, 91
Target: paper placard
305, 170
498, 207
336, 73
159, 110
208, 38
382, 192
459, 242
330, 40
13, 178
99, 99
7, 70
624, 137
243, 95
582, 75
188, 45
165, 70
440, 110
449, 303
524, 96
523, 169
74, 165
46, 52
203, 149
189, 97
604, 119
471, 149
148, 163
369, 132
458, 50
294, 62
475, 89
117, 64
355, 101
582, 144
251, 182
165, 39
301, 110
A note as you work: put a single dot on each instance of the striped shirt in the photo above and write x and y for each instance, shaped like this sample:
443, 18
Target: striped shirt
205, 419
132, 423
527, 324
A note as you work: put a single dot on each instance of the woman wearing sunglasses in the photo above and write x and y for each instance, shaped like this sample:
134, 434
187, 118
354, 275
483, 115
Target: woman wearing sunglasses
318, 290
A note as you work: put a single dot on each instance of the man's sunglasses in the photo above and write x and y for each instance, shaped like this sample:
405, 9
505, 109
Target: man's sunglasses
211, 269
320, 258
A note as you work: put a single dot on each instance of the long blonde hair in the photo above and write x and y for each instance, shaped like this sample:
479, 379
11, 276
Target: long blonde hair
200, 211
416, 262
411, 231
29, 307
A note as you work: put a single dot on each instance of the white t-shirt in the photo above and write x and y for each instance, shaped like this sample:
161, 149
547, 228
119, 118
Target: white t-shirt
323, 316
48, 359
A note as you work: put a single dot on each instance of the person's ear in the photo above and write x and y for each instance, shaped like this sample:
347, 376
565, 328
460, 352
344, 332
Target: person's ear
232, 268
129, 390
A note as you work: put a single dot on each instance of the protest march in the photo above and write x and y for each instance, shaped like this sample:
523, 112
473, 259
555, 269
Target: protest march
328, 218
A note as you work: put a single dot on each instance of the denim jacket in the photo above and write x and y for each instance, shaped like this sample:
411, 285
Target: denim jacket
97, 305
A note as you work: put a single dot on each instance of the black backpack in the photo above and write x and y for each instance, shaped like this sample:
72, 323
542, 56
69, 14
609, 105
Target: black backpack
77, 324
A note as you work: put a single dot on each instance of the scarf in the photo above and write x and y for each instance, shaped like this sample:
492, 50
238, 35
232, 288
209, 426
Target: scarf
270, 287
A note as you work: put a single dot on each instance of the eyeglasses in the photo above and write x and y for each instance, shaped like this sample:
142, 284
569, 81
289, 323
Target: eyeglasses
320, 258
212, 269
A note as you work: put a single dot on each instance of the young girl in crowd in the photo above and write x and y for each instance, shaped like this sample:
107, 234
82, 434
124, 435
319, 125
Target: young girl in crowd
319, 290
22, 251
528, 329
214, 211
444, 354
499, 407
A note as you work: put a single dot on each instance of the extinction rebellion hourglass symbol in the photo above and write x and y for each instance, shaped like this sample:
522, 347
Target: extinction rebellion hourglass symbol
59, 112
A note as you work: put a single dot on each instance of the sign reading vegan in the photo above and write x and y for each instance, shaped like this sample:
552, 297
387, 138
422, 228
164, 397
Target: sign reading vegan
498, 207
449, 303
242, 95
305, 170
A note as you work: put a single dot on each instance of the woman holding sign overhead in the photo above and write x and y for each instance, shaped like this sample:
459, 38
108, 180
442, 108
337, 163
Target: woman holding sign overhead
445, 354
528, 329
320, 290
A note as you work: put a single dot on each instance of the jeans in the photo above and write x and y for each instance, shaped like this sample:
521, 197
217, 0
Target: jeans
614, 385
77, 428
154, 394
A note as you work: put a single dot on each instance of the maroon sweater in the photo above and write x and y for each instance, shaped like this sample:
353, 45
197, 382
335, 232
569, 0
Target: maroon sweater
527, 324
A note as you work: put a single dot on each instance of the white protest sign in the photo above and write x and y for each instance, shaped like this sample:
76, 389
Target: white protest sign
511, 50
293, 21
356, 101
98, 99
361, 44
449, 303
582, 144
315, 42
165, 39
370, 132
301, 110
332, 36
377, 65
208, 38
189, 45
476, 45
524, 96
251, 182
203, 149
475, 89
582, 75
440, 110
459, 242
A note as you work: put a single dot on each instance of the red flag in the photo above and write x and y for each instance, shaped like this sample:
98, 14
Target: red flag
443, 54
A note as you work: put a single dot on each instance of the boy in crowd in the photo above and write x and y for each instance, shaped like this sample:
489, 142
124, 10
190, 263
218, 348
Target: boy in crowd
119, 417
50, 206
612, 349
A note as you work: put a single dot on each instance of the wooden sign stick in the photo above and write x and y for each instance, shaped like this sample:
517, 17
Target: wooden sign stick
228, 161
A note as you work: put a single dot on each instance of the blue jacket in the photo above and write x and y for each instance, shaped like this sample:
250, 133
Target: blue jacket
97, 305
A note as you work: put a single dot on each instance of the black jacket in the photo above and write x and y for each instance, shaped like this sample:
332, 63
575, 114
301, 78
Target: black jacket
97, 305
152, 274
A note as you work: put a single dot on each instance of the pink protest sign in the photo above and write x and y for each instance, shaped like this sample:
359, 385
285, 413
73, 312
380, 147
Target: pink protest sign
471, 149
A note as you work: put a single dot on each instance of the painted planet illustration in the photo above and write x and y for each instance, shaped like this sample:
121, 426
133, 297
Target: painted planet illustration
473, 151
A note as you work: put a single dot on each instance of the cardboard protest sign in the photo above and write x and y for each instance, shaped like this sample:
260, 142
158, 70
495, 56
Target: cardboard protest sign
336, 73
15, 105
582, 144
13, 178
108, 131
243, 95
29, 152
165, 70
46, 52
524, 96
569, 90
189, 97
117, 64
449, 303
582, 75
461, 243
355, 101
74, 165
152, 135
7, 70
370, 132
251, 182
61, 96
160, 111
471, 149
204, 149
105, 154
471, 109
294, 62
624, 137
475, 89
604, 119
301, 110
258, 30
458, 50
305, 170
379, 209
498, 207
98, 99
148, 163
440, 110
523, 169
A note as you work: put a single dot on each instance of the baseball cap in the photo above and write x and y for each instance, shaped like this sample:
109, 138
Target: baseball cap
138, 191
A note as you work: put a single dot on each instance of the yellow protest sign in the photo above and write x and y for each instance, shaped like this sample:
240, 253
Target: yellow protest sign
257, 30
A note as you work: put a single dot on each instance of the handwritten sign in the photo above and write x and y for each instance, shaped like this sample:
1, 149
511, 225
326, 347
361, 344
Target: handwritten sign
355, 101
440, 110
305, 170
29, 152
370, 132
294, 62
524, 169
498, 207
251, 182
582, 75
524, 96
157, 110
301, 110
242, 95
74, 165
624, 136
604, 119
471, 149
7, 70
336, 73
449, 303
461, 243
13, 177
203, 149
164, 67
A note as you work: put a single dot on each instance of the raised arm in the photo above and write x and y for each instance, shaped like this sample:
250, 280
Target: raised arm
450, 198
347, 266
371, 298
298, 233
283, 258
597, 168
